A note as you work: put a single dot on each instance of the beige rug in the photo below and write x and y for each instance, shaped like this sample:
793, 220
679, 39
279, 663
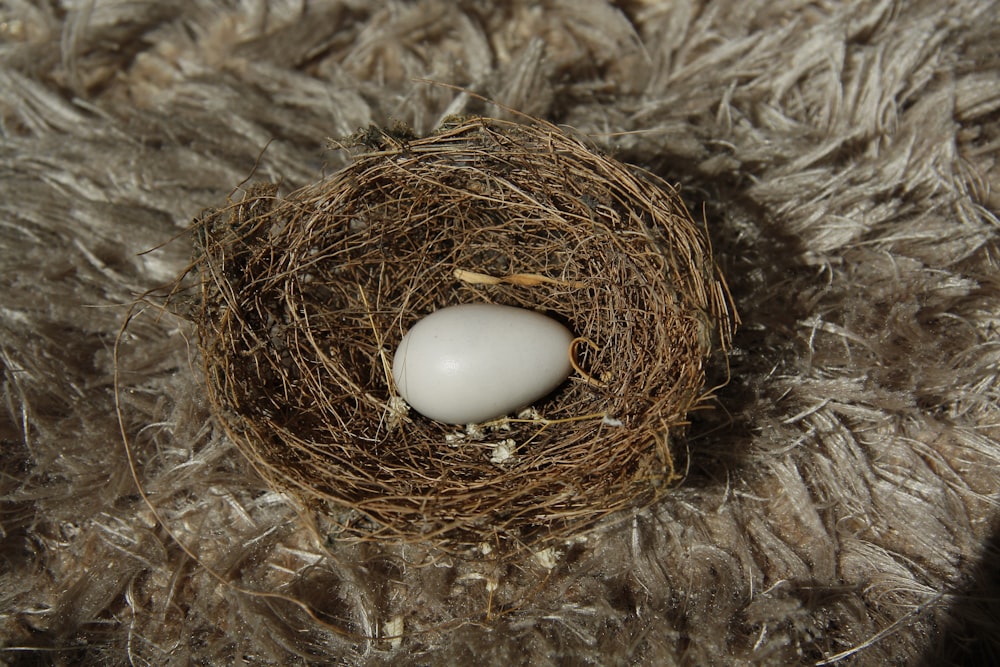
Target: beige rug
842, 501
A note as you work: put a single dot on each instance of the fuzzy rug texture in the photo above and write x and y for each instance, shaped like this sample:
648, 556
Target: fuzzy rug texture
841, 505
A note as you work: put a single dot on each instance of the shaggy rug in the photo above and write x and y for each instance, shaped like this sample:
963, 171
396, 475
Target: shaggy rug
841, 504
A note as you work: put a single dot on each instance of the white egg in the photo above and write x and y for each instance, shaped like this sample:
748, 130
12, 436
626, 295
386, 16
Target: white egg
475, 362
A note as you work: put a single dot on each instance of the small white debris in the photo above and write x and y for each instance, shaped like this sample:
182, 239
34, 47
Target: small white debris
608, 420
547, 557
396, 411
394, 630
469, 577
398, 406
503, 451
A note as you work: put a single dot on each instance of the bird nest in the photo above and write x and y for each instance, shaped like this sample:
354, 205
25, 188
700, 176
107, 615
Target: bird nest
304, 299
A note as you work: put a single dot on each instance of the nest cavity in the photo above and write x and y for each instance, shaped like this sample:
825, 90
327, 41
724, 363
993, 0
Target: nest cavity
304, 299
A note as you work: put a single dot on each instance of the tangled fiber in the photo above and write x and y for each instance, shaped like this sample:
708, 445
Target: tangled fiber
304, 300
840, 505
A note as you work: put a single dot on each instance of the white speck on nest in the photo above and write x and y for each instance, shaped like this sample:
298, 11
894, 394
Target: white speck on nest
608, 420
503, 451
491, 582
396, 411
394, 630
547, 557
529, 413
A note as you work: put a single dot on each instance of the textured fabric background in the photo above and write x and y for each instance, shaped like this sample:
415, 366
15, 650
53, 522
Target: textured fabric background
842, 502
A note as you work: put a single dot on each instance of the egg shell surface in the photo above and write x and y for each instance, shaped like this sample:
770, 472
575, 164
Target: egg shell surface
475, 362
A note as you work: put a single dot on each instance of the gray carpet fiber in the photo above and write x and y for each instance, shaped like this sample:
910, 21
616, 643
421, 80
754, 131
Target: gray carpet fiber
841, 505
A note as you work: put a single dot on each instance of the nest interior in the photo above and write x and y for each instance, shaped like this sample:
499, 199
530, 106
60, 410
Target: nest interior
305, 298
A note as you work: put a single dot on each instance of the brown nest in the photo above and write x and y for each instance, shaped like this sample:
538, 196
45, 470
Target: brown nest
305, 298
